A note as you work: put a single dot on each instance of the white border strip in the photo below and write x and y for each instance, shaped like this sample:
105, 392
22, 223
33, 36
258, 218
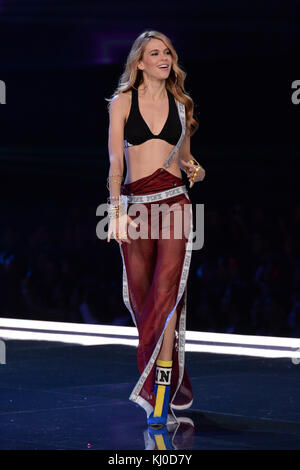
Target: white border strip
244, 339
85, 340
196, 341
68, 327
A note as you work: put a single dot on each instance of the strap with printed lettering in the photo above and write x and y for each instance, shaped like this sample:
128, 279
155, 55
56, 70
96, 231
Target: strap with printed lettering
181, 111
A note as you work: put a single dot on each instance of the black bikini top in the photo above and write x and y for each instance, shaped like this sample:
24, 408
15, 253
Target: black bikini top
136, 130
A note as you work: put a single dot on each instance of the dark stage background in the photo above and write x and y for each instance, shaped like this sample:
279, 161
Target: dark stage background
59, 61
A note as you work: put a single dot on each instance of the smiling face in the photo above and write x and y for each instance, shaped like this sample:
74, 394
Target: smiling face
157, 59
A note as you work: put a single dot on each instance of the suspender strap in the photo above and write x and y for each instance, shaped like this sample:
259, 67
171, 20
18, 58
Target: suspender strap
181, 111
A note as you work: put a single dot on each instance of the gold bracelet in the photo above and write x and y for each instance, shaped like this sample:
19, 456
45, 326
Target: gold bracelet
196, 166
195, 173
114, 174
115, 179
116, 209
194, 162
113, 200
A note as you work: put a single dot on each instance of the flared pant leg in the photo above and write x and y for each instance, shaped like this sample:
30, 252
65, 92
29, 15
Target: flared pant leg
155, 272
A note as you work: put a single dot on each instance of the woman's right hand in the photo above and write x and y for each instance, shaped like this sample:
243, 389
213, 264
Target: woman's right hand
118, 228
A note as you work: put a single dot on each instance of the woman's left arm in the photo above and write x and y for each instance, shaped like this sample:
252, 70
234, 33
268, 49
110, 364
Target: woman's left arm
188, 163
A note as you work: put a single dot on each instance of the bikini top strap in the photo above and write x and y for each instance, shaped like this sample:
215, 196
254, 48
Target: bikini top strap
181, 111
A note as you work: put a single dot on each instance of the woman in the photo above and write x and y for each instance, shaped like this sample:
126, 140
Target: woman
152, 117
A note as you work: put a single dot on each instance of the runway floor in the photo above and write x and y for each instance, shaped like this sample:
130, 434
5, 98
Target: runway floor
64, 396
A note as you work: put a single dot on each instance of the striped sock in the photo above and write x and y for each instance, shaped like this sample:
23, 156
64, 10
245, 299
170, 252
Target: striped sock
162, 388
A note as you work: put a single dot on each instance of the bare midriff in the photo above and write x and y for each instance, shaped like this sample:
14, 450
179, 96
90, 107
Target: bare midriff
144, 159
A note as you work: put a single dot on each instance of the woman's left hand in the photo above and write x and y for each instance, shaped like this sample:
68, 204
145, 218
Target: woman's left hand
194, 173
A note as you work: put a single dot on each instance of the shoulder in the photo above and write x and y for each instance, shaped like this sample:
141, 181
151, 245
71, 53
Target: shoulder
120, 102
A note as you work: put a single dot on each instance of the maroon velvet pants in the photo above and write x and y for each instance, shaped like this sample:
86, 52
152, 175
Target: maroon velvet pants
155, 273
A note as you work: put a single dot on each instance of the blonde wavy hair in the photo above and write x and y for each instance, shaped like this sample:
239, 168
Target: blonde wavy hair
132, 77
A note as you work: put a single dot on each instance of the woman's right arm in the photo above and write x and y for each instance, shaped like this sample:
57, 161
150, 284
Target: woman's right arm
116, 144
117, 114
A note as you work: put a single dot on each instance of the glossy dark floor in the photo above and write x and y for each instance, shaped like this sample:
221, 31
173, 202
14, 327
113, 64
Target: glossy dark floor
60, 396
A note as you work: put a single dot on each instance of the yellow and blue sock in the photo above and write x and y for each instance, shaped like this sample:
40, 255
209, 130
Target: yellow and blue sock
161, 438
159, 415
